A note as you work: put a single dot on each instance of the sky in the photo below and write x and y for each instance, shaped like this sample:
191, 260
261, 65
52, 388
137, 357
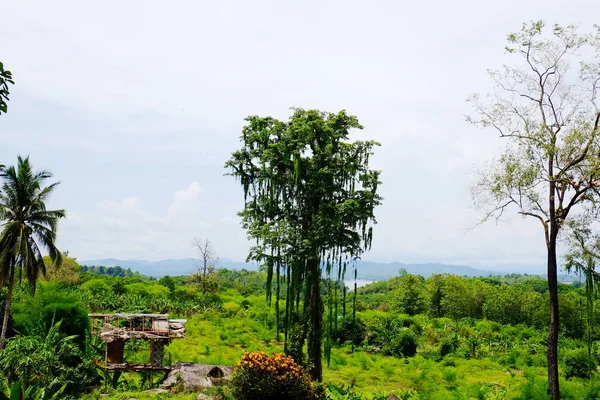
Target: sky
135, 106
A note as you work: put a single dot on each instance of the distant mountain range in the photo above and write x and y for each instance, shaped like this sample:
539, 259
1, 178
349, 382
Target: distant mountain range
173, 267
367, 270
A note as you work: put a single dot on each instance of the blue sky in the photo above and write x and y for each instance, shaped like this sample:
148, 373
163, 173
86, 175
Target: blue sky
136, 105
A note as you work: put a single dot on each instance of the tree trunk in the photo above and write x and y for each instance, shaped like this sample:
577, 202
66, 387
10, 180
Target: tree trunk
7, 307
315, 335
553, 387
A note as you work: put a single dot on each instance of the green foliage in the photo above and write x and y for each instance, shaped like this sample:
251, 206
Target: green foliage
573, 321
169, 283
50, 305
454, 358
207, 281
28, 227
512, 304
260, 377
309, 202
403, 344
549, 169
23, 189
578, 364
243, 281
342, 392
464, 358
97, 286
110, 271
349, 330
67, 272
5, 79
461, 298
146, 289
49, 360
18, 392
410, 297
447, 346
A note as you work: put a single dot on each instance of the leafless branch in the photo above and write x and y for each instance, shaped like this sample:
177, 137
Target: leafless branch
208, 256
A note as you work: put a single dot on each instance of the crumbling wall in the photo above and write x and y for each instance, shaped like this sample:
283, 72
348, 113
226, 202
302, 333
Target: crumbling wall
114, 351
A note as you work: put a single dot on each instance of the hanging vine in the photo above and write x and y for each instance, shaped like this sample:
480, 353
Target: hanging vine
582, 257
309, 204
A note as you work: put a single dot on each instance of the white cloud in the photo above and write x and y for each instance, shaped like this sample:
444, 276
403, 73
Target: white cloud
127, 229
187, 205
136, 109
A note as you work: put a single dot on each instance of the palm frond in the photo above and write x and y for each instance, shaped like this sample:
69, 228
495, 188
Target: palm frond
28, 225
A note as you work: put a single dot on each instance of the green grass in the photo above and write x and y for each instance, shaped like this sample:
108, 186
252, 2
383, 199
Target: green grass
144, 396
222, 341
214, 339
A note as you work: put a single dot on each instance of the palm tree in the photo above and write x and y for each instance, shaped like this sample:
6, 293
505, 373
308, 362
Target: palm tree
27, 228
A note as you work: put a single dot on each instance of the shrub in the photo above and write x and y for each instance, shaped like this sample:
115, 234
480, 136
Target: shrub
231, 308
449, 362
347, 330
51, 305
578, 364
48, 360
260, 377
404, 344
411, 322
335, 392
446, 347
147, 290
246, 304
96, 286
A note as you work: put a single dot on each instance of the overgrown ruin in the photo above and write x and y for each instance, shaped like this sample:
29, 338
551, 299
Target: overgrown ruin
115, 330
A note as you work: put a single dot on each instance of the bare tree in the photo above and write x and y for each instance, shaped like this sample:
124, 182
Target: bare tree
207, 253
205, 275
546, 111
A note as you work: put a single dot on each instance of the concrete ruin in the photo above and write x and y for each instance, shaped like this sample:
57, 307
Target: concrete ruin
116, 329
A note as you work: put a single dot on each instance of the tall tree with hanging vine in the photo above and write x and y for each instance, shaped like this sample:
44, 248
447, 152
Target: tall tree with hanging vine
309, 205
583, 254
5, 79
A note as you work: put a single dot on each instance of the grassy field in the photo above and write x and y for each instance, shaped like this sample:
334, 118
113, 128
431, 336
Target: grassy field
487, 361
224, 340
213, 339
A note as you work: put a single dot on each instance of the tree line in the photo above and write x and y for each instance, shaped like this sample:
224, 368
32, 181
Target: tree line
524, 301
110, 271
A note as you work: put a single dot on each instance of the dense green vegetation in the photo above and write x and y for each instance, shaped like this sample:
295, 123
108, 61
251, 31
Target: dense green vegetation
445, 337
111, 271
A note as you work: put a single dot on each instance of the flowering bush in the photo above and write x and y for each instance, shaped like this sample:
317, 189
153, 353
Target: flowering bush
260, 377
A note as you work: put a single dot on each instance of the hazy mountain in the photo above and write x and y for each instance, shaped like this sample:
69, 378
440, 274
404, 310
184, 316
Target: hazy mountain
380, 271
171, 267
367, 270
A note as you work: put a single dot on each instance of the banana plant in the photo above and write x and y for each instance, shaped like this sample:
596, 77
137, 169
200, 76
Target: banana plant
16, 392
